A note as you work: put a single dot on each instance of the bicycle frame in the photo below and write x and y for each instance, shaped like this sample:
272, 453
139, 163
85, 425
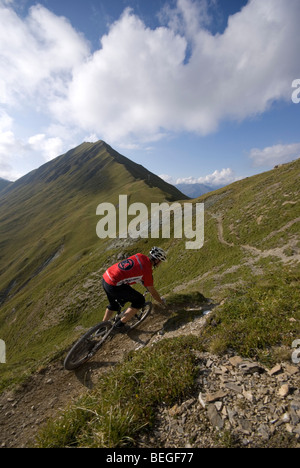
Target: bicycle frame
101, 332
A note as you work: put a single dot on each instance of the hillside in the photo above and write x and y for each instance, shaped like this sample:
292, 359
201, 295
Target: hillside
54, 207
51, 263
49, 244
4, 183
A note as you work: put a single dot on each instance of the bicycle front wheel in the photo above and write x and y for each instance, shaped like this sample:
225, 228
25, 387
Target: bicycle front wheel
141, 316
86, 347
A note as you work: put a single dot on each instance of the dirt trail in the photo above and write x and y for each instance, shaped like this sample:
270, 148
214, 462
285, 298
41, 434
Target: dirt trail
24, 411
275, 252
44, 394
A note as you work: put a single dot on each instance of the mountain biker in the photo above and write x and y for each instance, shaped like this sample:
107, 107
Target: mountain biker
118, 278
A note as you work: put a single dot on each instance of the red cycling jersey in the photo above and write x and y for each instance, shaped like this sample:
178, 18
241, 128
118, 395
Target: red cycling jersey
135, 269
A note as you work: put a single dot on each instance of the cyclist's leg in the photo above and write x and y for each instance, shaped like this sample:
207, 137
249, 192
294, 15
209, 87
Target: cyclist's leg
130, 312
113, 306
137, 302
120, 295
108, 314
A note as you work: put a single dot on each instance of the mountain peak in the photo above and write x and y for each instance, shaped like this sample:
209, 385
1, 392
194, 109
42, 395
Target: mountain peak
41, 210
85, 168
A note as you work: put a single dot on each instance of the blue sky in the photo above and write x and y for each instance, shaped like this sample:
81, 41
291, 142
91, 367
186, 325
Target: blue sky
194, 90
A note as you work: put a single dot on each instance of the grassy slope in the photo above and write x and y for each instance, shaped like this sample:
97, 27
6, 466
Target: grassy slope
243, 223
258, 212
49, 247
260, 317
4, 183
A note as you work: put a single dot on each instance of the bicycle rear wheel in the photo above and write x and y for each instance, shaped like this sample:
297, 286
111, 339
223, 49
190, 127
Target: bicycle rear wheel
141, 316
86, 347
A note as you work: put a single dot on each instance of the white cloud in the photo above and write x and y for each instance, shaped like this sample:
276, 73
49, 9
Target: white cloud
277, 154
139, 83
186, 16
5, 121
122, 89
143, 83
36, 54
168, 178
223, 177
8, 145
48, 147
15, 151
217, 178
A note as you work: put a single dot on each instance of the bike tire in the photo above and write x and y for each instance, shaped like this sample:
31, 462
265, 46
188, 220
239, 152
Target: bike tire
86, 347
141, 316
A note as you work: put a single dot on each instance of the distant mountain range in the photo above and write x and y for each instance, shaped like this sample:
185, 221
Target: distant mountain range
196, 190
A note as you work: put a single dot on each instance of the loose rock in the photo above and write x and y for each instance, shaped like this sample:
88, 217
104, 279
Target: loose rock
237, 397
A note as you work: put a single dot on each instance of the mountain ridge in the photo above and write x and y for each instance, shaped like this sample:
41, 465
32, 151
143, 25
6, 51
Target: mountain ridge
75, 181
4, 183
80, 156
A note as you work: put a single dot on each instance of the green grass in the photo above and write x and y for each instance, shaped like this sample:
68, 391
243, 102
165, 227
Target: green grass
126, 398
253, 322
258, 318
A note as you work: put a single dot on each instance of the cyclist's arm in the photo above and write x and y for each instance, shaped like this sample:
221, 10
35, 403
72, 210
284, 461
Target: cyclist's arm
155, 295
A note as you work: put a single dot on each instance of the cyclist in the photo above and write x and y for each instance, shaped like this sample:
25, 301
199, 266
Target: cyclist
118, 278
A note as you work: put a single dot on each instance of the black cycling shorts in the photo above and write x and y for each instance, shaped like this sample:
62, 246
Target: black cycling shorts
122, 294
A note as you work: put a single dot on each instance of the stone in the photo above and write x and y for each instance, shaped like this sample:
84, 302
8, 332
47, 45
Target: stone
253, 405
264, 431
248, 396
202, 400
245, 426
296, 430
218, 405
234, 387
275, 370
285, 417
235, 360
295, 419
211, 397
284, 390
295, 405
231, 414
292, 369
214, 417
248, 367
174, 410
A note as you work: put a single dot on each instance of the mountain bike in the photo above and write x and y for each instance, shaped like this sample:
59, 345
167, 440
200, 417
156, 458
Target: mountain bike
90, 343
